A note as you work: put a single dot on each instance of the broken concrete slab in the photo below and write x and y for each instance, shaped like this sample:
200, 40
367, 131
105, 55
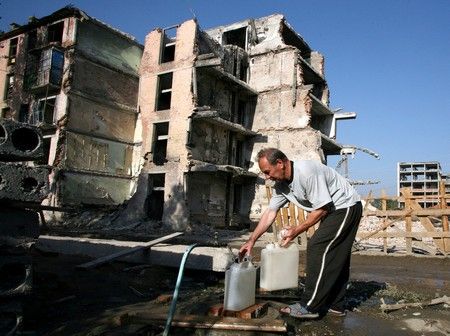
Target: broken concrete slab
20, 141
214, 259
23, 183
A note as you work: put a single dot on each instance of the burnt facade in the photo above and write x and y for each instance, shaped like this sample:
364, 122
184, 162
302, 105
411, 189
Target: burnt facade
76, 79
210, 100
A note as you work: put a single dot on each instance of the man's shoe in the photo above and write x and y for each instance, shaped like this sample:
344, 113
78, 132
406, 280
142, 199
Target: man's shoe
298, 311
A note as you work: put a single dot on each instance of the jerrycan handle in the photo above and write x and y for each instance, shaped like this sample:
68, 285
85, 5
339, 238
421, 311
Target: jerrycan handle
246, 262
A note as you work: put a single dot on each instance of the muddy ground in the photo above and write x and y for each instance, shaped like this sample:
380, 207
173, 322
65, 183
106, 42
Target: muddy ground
69, 301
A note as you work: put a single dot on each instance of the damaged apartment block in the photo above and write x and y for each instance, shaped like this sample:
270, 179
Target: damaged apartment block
76, 78
212, 100
172, 127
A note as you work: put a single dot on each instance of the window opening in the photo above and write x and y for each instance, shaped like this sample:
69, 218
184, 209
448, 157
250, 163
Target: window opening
161, 135
46, 143
9, 86
44, 69
55, 32
243, 71
12, 51
238, 154
6, 113
237, 198
236, 37
164, 91
32, 40
233, 105
45, 111
168, 44
240, 116
23, 112
155, 198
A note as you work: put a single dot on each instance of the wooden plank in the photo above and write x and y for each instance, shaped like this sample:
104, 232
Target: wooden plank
415, 213
413, 234
408, 224
443, 206
276, 225
390, 307
426, 223
383, 227
208, 322
285, 214
105, 259
292, 218
384, 208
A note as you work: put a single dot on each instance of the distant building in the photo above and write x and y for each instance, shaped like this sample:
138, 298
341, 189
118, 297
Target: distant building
423, 178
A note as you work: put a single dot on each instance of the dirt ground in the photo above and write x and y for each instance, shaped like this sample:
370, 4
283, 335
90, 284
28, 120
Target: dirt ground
69, 301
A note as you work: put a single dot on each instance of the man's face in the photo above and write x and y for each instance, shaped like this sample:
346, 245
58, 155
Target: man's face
275, 172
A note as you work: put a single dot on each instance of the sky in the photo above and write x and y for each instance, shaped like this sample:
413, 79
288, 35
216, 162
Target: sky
386, 60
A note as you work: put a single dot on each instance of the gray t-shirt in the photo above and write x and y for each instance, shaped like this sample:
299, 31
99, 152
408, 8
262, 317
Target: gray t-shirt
313, 186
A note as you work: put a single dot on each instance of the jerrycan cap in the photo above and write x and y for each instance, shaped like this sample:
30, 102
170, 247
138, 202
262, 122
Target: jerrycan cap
271, 246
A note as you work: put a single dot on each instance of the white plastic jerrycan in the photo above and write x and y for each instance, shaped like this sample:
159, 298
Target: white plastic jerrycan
240, 283
279, 267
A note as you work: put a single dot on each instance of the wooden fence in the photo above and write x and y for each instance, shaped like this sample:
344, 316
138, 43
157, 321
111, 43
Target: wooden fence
421, 230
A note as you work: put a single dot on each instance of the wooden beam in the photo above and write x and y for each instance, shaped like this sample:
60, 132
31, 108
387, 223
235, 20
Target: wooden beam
443, 205
390, 307
416, 212
105, 259
426, 223
403, 234
208, 322
386, 225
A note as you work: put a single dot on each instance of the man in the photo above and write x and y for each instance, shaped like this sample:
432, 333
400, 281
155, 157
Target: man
330, 199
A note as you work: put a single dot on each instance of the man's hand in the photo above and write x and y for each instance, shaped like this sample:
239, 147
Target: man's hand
246, 249
288, 234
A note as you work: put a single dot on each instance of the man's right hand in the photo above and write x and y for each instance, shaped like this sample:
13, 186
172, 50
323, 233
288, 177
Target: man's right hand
246, 249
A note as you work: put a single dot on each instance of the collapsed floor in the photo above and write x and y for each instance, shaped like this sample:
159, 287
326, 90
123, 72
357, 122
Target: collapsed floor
106, 300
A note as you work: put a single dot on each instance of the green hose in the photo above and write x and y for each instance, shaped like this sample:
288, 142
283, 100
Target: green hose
177, 287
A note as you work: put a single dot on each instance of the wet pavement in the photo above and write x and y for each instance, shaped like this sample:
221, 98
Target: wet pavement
69, 301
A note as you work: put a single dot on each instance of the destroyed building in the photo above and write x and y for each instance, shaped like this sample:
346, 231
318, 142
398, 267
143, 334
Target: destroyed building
77, 79
425, 179
171, 128
210, 100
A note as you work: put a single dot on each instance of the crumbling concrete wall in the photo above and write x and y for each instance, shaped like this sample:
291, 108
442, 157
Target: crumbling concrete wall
96, 149
101, 119
108, 46
208, 196
181, 106
93, 189
98, 155
116, 87
211, 143
283, 111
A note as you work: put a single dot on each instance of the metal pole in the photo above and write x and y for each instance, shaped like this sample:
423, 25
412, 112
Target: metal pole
177, 286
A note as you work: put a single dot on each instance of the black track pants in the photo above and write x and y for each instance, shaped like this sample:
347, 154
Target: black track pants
328, 260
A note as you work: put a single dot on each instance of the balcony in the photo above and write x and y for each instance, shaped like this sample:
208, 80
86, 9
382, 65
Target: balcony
44, 71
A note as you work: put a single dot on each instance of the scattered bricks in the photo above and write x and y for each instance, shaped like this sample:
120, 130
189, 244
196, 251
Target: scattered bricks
255, 311
19, 141
164, 298
23, 183
215, 310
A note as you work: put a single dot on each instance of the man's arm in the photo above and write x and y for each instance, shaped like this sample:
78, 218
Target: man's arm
266, 220
312, 218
